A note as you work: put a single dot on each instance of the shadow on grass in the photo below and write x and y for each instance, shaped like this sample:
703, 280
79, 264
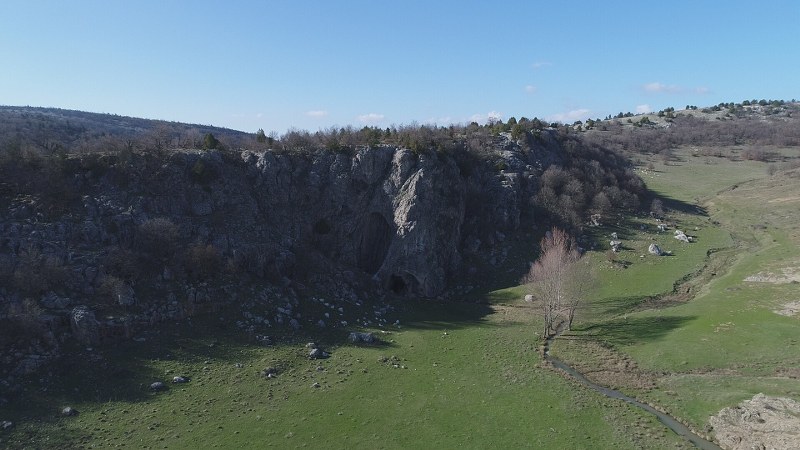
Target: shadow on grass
123, 371
429, 315
624, 331
673, 204
614, 306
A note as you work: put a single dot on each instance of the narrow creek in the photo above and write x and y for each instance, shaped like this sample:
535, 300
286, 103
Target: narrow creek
669, 421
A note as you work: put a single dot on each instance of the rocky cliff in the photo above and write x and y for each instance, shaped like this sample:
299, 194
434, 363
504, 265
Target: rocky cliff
144, 236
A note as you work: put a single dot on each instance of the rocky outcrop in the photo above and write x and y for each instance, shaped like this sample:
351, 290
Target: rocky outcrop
761, 422
84, 325
144, 237
406, 219
382, 211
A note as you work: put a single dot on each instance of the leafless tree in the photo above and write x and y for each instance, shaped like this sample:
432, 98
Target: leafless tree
558, 280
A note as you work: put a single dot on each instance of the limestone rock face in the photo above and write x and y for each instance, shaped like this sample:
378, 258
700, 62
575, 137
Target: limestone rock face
401, 217
428, 211
387, 211
84, 325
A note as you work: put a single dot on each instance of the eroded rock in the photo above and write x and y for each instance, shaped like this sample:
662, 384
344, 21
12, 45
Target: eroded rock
761, 422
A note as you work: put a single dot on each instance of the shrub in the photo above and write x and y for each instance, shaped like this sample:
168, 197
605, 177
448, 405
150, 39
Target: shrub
210, 142
657, 207
114, 290
202, 261
22, 322
122, 263
158, 238
36, 273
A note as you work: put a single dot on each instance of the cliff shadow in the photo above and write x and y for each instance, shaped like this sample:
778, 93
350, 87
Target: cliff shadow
435, 315
631, 330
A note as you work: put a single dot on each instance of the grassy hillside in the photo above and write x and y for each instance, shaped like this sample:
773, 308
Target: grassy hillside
735, 333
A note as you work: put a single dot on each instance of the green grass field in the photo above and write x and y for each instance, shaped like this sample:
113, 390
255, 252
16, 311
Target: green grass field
726, 343
448, 378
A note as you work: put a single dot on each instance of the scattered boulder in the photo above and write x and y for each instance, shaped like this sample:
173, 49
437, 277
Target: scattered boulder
270, 372
654, 249
615, 245
124, 294
180, 379
69, 411
681, 236
318, 353
158, 386
6, 424
614, 236
357, 337
263, 340
529, 298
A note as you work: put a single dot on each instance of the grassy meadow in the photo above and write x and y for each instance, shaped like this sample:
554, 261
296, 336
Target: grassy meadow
718, 338
464, 378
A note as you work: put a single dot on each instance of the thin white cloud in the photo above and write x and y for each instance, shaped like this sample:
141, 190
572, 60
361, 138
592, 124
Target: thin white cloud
661, 87
541, 64
658, 87
491, 116
530, 89
371, 118
317, 113
643, 109
570, 116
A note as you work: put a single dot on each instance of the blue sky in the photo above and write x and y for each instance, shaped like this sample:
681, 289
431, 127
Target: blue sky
314, 64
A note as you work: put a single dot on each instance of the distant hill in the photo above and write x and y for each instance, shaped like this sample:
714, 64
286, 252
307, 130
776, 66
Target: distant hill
52, 128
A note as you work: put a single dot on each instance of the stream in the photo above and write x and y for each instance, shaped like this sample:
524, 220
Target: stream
669, 421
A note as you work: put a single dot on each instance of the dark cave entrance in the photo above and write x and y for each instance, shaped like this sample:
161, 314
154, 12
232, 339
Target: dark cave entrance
403, 284
398, 285
376, 236
322, 227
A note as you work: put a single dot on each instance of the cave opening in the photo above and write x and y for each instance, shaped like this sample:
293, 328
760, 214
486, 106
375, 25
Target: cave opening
398, 285
322, 227
376, 236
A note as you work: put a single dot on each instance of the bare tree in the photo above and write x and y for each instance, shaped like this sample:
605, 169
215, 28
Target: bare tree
557, 280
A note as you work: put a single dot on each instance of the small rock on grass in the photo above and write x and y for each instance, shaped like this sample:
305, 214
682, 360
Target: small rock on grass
366, 338
69, 411
157, 386
317, 353
6, 424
